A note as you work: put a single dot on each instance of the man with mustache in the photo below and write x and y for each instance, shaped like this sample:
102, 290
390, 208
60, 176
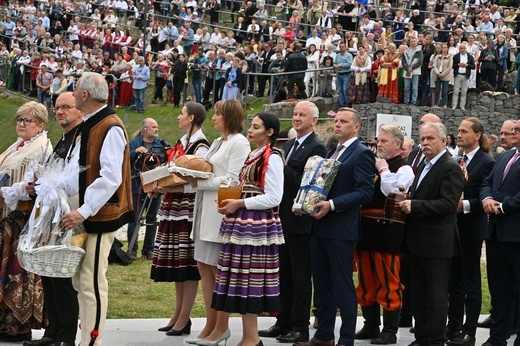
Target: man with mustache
431, 233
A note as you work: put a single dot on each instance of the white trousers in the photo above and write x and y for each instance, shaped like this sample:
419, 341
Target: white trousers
460, 85
92, 285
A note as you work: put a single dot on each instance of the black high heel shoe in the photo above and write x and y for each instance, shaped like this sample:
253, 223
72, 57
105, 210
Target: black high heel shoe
185, 330
260, 343
165, 328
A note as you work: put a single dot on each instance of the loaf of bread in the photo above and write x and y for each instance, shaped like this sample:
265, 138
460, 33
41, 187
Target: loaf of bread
193, 162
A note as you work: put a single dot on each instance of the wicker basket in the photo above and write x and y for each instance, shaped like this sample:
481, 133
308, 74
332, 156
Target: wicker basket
57, 261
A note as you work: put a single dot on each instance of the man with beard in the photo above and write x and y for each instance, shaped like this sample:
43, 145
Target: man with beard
378, 271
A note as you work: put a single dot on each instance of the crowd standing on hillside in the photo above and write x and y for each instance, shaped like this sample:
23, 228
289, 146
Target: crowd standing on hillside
189, 53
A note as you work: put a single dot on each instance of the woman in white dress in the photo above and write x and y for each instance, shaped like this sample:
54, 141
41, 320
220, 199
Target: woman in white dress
313, 62
472, 48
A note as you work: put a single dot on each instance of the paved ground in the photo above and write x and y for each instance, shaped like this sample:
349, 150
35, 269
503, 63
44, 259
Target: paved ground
144, 333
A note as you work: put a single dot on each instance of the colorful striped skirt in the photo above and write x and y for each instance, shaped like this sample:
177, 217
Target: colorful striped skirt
247, 279
174, 249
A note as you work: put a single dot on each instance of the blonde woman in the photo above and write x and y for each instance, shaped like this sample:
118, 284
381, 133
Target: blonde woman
22, 293
443, 69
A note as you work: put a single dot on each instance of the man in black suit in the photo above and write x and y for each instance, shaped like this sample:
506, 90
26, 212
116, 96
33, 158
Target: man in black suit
336, 230
264, 33
415, 159
500, 195
465, 281
463, 63
506, 143
265, 61
292, 321
431, 234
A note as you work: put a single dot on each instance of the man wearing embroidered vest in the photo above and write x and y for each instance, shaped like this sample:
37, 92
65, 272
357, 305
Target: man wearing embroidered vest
105, 199
379, 284
61, 303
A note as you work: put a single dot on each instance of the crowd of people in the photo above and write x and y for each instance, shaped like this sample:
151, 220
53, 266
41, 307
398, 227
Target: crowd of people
252, 253
452, 46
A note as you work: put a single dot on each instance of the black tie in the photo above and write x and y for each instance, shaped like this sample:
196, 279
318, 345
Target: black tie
293, 150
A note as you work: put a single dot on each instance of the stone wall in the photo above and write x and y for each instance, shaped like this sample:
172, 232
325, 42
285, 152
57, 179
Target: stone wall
492, 108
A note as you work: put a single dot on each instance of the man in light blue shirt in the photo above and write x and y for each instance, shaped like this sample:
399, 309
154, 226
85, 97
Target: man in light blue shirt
189, 40
8, 31
140, 75
342, 63
486, 26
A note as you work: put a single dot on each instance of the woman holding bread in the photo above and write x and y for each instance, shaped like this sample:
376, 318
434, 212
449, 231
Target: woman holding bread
173, 251
227, 155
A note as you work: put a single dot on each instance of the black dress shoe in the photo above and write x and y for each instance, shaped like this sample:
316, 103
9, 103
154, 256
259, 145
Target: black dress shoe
45, 341
273, 332
294, 337
367, 332
185, 330
385, 338
64, 343
452, 334
486, 323
462, 340
412, 330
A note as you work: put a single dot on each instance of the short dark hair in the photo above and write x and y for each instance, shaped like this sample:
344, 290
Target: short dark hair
233, 113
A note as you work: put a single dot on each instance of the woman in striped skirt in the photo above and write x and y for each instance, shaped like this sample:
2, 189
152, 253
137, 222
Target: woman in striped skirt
247, 280
173, 251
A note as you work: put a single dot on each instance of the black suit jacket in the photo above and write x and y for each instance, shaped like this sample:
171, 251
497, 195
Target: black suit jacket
413, 154
506, 191
293, 173
472, 226
431, 227
264, 34
267, 60
456, 61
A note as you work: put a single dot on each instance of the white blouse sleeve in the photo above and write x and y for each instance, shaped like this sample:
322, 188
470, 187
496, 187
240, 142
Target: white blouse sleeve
391, 182
273, 189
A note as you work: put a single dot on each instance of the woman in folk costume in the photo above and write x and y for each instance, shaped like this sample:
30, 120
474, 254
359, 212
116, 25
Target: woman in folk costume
388, 81
21, 307
359, 88
173, 251
247, 280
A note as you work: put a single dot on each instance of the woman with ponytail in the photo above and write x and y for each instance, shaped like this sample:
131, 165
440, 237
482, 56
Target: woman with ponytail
173, 255
247, 280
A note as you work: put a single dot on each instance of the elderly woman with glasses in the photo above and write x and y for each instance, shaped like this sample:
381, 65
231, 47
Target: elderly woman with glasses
22, 305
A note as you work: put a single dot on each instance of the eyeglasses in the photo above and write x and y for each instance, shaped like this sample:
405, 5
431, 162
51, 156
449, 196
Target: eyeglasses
24, 121
64, 108
516, 130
